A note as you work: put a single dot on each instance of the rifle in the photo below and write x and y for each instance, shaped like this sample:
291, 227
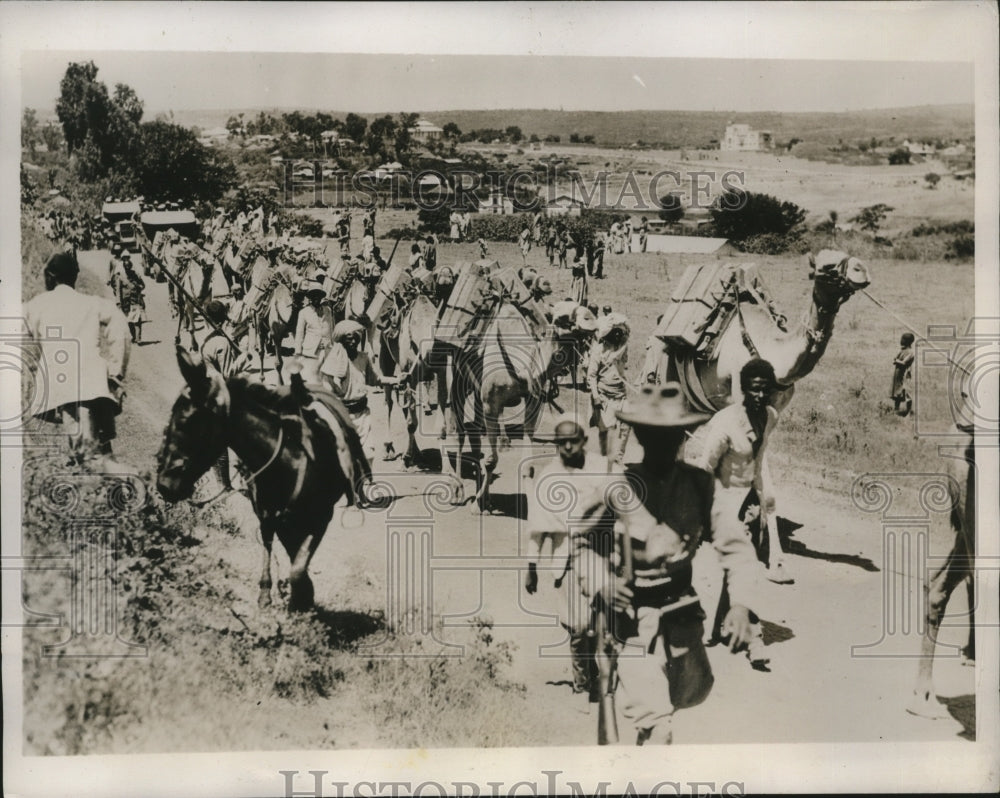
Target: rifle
606, 624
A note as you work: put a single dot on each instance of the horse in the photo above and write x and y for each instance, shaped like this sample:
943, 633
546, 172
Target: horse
297, 476
958, 567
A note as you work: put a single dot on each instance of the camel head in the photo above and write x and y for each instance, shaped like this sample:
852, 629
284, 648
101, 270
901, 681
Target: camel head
837, 276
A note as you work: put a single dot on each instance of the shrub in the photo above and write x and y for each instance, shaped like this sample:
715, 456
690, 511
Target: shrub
307, 225
775, 244
435, 220
403, 233
738, 215
899, 156
961, 247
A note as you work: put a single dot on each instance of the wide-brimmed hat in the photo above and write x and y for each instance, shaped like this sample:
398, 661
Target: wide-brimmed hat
661, 406
345, 328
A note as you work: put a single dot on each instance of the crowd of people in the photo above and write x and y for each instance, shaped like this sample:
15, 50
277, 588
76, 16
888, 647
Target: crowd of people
626, 553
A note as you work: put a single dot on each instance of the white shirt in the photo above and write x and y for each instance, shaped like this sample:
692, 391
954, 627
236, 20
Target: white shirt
69, 328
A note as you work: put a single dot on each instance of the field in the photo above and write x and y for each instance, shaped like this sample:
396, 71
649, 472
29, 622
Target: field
188, 577
683, 128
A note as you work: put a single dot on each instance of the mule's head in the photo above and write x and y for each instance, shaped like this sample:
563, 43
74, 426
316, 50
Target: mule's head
195, 437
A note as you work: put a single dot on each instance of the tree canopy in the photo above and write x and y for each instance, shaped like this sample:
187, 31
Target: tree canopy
156, 159
739, 215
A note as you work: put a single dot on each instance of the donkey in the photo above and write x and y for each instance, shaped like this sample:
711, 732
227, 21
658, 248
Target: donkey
296, 460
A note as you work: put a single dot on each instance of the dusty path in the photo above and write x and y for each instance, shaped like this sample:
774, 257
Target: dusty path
816, 690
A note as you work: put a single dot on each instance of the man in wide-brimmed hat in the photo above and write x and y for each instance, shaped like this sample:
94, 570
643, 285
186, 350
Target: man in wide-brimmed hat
582, 477
663, 507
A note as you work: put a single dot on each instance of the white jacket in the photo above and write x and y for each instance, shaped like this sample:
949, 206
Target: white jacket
69, 329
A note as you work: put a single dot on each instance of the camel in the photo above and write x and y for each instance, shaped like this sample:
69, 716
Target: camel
958, 567
508, 365
752, 328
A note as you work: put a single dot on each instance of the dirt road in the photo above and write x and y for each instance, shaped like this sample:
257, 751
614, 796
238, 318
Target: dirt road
831, 679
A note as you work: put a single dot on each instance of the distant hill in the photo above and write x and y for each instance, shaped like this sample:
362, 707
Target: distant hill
684, 128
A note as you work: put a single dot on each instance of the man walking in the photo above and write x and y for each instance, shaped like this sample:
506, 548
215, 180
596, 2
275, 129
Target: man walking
663, 508
83, 339
584, 474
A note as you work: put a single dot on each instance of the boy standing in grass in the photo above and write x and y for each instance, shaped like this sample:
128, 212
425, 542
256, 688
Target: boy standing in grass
902, 376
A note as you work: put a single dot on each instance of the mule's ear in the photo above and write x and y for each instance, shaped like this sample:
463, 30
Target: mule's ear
192, 369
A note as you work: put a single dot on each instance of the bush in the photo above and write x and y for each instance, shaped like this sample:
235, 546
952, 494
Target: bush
739, 215
899, 156
961, 247
775, 244
435, 220
403, 233
307, 225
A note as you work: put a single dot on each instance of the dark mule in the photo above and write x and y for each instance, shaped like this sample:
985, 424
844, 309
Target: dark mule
957, 568
297, 477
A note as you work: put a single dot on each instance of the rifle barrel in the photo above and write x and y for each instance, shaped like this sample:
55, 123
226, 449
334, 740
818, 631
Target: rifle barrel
192, 300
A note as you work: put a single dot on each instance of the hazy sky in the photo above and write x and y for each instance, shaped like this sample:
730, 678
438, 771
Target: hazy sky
388, 82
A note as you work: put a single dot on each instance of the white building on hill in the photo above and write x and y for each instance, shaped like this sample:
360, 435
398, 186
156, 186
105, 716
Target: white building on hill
743, 138
425, 131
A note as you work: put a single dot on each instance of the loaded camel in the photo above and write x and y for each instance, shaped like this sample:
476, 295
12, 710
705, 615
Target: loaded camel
706, 358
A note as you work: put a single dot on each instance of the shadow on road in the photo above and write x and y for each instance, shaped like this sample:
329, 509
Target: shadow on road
798, 548
348, 626
775, 632
963, 709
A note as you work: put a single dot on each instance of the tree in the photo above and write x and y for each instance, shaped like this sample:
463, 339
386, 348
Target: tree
30, 135
52, 137
534, 138
899, 156
174, 164
574, 138
403, 140
552, 138
932, 178
871, 218
103, 129
355, 127
672, 208
235, 126
29, 191
588, 139
513, 134
739, 214
451, 130
78, 95
381, 136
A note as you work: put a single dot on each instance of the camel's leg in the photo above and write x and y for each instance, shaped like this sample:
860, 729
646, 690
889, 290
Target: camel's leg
279, 361
451, 404
267, 537
937, 592
299, 582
